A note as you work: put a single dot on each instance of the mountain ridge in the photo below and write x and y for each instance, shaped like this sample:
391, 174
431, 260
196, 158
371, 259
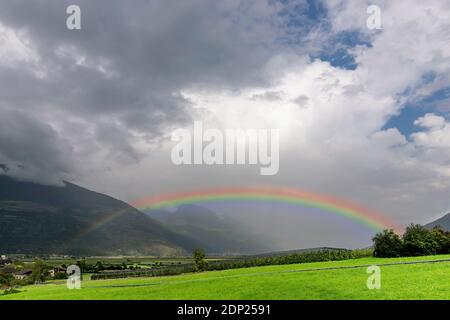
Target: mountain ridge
37, 218
443, 221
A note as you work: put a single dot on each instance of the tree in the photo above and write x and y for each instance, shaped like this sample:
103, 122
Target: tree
82, 264
6, 280
199, 259
419, 241
40, 271
416, 241
442, 239
387, 244
99, 266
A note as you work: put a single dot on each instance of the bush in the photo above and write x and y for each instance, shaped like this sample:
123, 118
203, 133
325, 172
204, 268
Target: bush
10, 291
199, 258
60, 276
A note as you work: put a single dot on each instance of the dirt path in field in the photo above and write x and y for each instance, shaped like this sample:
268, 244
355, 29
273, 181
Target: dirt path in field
271, 272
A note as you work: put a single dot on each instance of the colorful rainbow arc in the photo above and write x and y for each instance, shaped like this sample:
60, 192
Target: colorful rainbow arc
357, 213
369, 218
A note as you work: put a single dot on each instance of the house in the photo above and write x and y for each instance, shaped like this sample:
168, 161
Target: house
57, 270
22, 275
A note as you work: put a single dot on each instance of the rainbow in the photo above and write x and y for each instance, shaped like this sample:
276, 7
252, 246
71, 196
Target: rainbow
354, 212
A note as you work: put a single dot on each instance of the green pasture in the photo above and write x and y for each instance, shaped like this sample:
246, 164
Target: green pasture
402, 281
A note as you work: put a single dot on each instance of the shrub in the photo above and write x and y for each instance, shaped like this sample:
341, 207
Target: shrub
60, 276
10, 291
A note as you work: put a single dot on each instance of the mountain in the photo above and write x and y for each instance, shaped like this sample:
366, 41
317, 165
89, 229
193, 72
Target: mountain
38, 219
444, 222
217, 234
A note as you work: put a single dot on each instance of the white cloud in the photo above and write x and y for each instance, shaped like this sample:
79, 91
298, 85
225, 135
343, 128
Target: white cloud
437, 134
413, 40
14, 48
16, 51
431, 121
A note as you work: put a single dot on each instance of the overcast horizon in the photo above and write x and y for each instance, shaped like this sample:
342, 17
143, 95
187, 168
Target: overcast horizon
363, 114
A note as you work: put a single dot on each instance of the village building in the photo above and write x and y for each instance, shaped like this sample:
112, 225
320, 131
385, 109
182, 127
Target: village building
22, 275
57, 270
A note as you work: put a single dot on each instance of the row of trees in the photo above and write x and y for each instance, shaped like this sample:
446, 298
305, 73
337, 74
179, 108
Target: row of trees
201, 264
100, 266
303, 257
416, 241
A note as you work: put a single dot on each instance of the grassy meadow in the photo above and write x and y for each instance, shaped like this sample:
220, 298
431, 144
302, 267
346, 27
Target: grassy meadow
407, 281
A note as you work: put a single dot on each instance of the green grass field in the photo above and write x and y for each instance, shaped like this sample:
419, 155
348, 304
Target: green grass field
409, 281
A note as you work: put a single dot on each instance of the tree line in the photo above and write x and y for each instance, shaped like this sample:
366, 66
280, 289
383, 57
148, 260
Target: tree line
201, 264
416, 241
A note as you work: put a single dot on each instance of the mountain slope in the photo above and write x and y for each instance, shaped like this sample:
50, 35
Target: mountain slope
215, 233
444, 222
36, 218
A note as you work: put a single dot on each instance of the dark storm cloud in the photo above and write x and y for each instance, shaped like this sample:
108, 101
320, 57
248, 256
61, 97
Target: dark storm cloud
121, 74
21, 155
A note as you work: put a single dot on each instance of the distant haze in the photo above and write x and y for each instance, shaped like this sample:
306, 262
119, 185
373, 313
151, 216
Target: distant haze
286, 227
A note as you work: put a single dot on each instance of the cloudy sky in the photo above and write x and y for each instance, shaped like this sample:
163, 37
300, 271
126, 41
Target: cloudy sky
363, 114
